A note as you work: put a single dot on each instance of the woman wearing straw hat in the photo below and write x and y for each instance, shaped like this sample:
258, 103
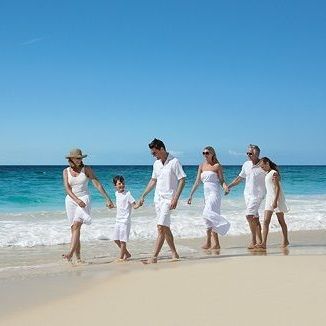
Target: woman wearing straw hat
76, 177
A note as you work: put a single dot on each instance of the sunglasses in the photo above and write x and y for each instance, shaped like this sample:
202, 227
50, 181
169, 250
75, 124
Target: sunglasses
206, 153
250, 154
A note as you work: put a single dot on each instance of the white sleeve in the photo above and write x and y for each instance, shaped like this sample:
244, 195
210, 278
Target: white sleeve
243, 174
131, 199
179, 170
154, 174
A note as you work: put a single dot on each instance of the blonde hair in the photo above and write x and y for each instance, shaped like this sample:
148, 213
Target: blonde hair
212, 151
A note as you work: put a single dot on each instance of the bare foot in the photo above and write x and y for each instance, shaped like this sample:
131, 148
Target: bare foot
285, 244
127, 256
80, 261
66, 257
215, 247
215, 252
152, 260
206, 246
260, 247
120, 260
251, 246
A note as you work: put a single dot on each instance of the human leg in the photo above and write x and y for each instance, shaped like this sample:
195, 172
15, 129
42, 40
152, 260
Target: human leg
123, 249
267, 220
258, 231
208, 242
170, 241
159, 243
75, 239
281, 220
215, 241
252, 226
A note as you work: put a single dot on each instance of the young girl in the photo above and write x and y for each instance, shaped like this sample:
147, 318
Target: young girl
275, 201
210, 172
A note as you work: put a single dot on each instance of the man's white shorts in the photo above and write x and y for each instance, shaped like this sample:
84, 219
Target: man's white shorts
121, 232
253, 204
163, 212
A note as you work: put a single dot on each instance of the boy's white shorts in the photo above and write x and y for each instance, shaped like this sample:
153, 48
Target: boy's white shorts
121, 232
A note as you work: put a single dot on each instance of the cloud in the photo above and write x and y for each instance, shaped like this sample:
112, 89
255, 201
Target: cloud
234, 153
32, 41
176, 153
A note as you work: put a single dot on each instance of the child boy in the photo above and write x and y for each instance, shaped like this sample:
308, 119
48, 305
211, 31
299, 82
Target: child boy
124, 203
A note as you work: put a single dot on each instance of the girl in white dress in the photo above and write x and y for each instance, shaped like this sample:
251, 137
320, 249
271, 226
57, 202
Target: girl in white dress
210, 172
78, 204
275, 201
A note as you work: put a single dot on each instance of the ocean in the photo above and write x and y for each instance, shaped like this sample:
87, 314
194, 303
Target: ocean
32, 204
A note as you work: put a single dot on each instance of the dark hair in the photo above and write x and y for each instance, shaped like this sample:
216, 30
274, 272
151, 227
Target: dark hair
271, 164
72, 164
156, 143
118, 178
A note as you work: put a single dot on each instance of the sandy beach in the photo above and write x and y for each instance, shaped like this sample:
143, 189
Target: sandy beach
232, 287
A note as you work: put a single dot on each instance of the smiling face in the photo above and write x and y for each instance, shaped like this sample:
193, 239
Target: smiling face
252, 154
207, 155
265, 166
160, 154
75, 162
120, 186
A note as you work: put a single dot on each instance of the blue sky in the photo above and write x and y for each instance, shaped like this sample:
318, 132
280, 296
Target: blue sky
109, 76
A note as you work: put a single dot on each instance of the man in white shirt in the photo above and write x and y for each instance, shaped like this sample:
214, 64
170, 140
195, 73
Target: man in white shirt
254, 191
169, 179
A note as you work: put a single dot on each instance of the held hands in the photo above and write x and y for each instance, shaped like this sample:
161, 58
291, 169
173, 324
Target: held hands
189, 201
226, 189
141, 201
109, 204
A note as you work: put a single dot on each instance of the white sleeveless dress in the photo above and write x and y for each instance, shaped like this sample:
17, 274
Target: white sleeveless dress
79, 186
211, 212
270, 195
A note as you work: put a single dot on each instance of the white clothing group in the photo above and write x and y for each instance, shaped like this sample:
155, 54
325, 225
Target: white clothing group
167, 176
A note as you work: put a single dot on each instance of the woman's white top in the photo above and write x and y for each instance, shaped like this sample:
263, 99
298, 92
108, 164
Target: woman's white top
271, 193
78, 184
212, 209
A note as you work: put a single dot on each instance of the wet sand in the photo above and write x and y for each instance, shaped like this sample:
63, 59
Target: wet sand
233, 286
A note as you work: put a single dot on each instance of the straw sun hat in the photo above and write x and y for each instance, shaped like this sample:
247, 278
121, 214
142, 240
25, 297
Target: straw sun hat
75, 153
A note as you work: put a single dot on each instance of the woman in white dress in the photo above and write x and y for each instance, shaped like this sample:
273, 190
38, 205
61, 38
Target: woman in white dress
275, 201
210, 172
78, 204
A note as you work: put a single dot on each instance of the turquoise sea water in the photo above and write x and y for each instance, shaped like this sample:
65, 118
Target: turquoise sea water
32, 211
40, 188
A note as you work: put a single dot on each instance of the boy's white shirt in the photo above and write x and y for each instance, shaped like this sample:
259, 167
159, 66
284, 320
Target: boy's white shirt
124, 201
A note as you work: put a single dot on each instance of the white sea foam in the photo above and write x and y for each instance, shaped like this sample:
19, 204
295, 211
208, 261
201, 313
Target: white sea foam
52, 228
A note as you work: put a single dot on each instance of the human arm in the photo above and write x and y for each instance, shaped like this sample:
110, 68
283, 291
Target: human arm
235, 182
151, 184
174, 201
221, 179
276, 182
68, 189
136, 205
195, 185
97, 184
